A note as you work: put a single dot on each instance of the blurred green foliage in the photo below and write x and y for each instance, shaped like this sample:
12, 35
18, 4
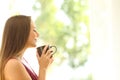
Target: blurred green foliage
67, 27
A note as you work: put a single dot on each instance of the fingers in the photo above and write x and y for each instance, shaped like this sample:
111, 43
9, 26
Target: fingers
44, 61
44, 50
46, 58
47, 52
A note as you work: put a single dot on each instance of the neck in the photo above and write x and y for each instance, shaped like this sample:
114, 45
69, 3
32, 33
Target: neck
20, 54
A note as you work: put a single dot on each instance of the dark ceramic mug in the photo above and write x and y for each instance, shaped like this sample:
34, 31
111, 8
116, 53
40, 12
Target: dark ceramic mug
40, 49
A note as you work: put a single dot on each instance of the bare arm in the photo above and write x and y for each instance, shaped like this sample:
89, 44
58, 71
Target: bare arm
44, 62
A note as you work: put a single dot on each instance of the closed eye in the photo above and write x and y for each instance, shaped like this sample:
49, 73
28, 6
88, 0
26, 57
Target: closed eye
34, 30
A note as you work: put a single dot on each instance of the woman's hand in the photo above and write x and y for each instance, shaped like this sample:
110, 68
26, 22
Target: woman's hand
45, 60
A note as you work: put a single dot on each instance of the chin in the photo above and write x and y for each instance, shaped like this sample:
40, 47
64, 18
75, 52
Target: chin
32, 46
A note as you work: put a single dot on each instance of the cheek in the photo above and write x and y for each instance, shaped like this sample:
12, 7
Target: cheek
32, 36
31, 42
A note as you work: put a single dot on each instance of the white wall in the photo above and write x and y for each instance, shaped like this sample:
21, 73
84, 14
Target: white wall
105, 39
116, 35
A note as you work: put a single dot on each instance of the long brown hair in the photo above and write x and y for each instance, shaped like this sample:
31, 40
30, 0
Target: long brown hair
15, 36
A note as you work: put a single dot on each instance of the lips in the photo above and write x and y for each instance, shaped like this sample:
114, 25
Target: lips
36, 39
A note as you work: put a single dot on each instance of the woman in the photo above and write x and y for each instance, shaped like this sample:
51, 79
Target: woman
20, 34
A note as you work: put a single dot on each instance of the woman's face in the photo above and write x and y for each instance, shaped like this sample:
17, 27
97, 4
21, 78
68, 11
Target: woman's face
32, 39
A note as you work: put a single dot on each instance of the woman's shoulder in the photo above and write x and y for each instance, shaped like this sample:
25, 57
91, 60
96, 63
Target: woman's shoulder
15, 66
13, 63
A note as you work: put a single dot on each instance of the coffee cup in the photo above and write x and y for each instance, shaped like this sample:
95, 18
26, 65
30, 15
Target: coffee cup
40, 49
